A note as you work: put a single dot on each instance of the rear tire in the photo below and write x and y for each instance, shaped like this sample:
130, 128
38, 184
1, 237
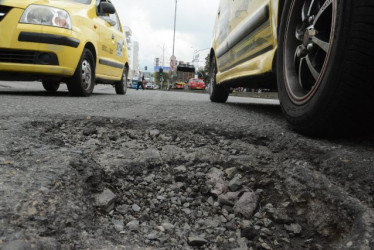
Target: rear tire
82, 82
324, 67
51, 86
217, 93
121, 86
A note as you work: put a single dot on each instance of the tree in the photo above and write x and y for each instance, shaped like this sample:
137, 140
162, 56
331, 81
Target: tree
204, 72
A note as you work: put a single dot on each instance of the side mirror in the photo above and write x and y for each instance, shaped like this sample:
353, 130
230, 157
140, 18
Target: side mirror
106, 8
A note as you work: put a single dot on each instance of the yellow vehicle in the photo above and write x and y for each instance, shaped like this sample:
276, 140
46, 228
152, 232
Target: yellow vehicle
78, 42
317, 53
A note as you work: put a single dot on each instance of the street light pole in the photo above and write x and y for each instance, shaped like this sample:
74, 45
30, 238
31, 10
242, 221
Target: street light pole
175, 21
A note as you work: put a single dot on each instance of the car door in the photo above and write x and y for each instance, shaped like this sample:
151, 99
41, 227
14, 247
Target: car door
120, 47
106, 46
250, 32
222, 32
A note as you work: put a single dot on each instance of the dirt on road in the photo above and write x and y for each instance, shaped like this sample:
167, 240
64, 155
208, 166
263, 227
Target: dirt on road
99, 183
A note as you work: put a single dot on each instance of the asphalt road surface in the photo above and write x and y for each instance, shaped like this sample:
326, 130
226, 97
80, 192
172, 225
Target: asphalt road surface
171, 170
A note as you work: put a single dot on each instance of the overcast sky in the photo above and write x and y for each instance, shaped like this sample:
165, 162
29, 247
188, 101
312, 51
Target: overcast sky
152, 24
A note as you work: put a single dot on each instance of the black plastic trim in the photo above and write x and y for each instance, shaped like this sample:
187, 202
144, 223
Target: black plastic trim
48, 38
111, 64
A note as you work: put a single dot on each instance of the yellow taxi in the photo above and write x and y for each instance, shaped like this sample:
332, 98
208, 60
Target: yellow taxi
77, 42
316, 53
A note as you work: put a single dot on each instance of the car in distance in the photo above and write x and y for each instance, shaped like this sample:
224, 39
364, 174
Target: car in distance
150, 85
195, 83
79, 42
316, 53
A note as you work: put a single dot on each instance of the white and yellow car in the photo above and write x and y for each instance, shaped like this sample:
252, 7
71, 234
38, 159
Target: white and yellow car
79, 42
317, 53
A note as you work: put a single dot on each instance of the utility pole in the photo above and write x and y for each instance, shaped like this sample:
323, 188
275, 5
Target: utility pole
175, 22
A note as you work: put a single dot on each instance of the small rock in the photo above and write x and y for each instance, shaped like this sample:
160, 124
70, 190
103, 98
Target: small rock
265, 246
215, 175
133, 225
219, 188
187, 211
118, 225
89, 131
105, 200
293, 228
135, 208
152, 236
161, 228
266, 231
210, 201
267, 222
280, 215
123, 209
186, 227
197, 241
235, 184
230, 172
154, 133
247, 204
167, 226
229, 198
286, 240
180, 169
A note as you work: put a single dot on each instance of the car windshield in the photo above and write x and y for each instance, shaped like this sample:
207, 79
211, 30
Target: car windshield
77, 1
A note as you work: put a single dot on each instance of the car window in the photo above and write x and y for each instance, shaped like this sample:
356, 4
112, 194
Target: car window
114, 17
77, 1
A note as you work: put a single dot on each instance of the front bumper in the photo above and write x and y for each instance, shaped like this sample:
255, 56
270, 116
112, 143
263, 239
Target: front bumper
36, 49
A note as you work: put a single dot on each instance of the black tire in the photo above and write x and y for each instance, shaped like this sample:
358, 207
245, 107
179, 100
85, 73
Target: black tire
121, 86
51, 86
217, 93
325, 89
82, 82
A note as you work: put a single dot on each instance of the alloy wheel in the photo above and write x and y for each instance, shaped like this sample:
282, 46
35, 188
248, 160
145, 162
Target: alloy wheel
308, 40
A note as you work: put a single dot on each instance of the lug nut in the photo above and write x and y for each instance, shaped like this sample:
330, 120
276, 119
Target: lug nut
311, 19
310, 47
301, 51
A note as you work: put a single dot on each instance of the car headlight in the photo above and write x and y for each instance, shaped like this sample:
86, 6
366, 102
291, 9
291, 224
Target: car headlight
44, 15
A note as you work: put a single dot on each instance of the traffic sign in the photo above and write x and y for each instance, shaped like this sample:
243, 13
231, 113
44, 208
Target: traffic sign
173, 62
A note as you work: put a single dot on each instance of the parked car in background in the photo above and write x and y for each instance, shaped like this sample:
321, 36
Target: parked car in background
195, 83
78, 42
134, 83
316, 53
150, 85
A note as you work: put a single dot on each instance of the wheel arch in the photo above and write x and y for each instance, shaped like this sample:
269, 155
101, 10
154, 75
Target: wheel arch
279, 16
92, 48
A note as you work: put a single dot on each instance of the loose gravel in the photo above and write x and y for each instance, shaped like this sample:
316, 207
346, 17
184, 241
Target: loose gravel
100, 183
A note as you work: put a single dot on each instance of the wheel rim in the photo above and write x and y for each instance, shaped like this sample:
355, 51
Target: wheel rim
308, 40
86, 75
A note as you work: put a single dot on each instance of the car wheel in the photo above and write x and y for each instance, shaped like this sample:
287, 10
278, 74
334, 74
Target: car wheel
121, 86
51, 86
217, 92
324, 65
83, 81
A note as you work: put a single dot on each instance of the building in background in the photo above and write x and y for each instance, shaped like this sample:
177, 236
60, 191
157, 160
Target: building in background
135, 58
